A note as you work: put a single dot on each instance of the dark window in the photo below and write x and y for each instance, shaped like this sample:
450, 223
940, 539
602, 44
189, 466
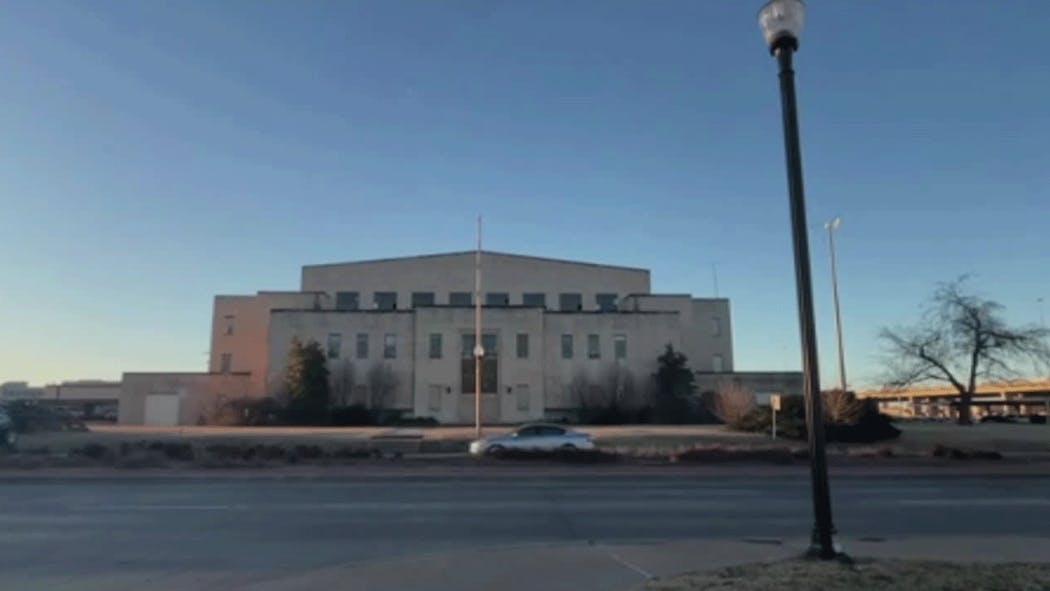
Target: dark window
335, 345
716, 326
435, 345
229, 324
566, 346
531, 431
422, 298
225, 362
523, 346
390, 346
570, 302
606, 302
550, 431
362, 345
347, 300
489, 364
717, 363
594, 347
535, 300
497, 298
460, 298
620, 346
385, 300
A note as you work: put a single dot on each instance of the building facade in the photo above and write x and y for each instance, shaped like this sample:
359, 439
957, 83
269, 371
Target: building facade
399, 334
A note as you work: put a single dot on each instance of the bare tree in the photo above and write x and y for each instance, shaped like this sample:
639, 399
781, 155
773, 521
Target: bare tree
732, 402
619, 388
841, 407
343, 378
382, 385
961, 338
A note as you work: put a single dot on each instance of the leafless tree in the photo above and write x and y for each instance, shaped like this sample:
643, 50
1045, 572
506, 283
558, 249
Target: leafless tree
731, 402
619, 389
342, 378
382, 385
960, 339
841, 407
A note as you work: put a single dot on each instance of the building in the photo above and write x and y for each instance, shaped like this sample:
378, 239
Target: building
89, 399
399, 333
19, 391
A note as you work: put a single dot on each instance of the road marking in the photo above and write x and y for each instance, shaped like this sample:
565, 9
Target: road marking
632, 566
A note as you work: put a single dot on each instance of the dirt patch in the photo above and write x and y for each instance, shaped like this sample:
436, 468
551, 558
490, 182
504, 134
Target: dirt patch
866, 575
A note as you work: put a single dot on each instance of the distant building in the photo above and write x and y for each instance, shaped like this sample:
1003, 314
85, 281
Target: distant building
1017, 397
19, 391
400, 333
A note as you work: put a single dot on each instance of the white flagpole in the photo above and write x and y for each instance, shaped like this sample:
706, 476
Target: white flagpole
479, 351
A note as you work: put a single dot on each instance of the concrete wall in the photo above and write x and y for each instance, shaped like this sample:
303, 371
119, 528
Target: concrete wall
446, 273
698, 343
198, 393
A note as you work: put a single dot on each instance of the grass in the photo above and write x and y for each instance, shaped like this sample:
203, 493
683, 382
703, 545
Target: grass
866, 575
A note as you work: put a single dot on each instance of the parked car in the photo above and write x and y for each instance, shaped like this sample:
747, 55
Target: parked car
8, 435
533, 436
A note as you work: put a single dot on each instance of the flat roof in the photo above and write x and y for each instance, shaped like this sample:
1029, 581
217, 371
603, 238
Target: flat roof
483, 253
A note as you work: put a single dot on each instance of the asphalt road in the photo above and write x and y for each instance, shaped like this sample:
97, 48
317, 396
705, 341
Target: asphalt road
265, 525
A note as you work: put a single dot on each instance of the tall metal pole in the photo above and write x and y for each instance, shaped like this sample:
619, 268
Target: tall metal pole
478, 351
822, 543
832, 226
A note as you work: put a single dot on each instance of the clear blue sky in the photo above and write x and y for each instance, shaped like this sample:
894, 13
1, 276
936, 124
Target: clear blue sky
153, 154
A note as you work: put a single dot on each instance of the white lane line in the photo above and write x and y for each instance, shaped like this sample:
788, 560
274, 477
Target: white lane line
641, 571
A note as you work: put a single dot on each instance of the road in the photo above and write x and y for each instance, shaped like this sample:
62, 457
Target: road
84, 530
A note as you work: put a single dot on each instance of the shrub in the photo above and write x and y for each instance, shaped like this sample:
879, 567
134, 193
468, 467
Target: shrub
731, 402
353, 415
869, 427
94, 451
309, 452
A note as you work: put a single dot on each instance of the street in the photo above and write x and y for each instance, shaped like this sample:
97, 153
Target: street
77, 531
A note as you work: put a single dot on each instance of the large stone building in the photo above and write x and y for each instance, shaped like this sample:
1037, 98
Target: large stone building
399, 333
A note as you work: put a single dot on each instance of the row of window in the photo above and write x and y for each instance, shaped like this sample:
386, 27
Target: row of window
387, 300
489, 345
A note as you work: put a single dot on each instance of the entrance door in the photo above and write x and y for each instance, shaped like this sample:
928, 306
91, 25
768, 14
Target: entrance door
490, 400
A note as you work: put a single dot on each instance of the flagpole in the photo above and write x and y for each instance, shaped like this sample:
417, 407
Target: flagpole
479, 351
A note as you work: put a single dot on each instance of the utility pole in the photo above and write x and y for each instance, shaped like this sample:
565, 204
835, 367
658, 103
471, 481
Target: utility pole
479, 351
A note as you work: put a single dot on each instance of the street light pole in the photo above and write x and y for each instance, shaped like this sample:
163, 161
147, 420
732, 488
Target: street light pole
478, 351
831, 227
781, 23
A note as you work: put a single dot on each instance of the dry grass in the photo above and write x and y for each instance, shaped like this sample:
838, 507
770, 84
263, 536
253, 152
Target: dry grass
866, 575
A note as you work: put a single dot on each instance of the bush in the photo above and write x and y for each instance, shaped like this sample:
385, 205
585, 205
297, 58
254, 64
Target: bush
355, 415
869, 427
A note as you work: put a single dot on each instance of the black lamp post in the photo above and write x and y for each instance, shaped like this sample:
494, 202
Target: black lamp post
781, 23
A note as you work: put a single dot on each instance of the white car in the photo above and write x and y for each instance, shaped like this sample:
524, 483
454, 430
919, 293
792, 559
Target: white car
535, 437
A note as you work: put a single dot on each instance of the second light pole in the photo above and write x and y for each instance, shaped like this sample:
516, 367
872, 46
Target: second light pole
831, 227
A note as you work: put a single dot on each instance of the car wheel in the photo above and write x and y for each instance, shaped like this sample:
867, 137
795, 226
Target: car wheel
495, 450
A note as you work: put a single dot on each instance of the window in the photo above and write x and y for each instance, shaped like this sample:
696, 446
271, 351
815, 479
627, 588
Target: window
566, 346
489, 364
716, 326
335, 345
347, 300
620, 346
460, 298
389, 346
435, 345
570, 302
225, 362
534, 300
594, 347
229, 325
522, 347
606, 302
550, 431
385, 300
422, 298
362, 345
497, 298
717, 363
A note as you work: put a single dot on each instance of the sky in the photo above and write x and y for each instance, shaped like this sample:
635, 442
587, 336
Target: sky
154, 154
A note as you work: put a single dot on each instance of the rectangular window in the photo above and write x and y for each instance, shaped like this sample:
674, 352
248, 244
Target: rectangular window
534, 299
389, 346
606, 302
566, 346
362, 345
497, 298
335, 345
594, 347
620, 346
225, 362
347, 300
460, 298
570, 302
522, 346
489, 364
435, 345
385, 300
229, 325
716, 326
717, 363
422, 298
